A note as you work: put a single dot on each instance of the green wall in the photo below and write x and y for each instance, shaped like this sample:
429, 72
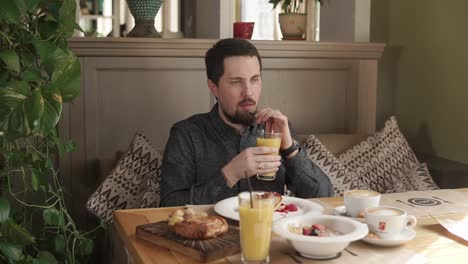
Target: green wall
428, 40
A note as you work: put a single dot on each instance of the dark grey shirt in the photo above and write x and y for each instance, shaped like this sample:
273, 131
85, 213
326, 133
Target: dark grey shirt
200, 146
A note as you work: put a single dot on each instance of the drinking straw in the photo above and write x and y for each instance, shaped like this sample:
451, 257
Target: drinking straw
250, 191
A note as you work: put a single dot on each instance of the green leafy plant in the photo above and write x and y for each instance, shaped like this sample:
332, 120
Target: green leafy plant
289, 6
38, 73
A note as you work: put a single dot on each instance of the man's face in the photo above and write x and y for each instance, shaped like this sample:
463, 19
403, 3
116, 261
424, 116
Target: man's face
239, 89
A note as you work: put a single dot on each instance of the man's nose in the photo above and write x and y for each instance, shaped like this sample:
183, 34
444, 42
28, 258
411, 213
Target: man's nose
248, 89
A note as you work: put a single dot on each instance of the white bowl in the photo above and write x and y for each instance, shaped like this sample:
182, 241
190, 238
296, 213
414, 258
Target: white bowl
320, 247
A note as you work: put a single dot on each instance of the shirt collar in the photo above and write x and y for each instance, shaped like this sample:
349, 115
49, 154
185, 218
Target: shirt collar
221, 126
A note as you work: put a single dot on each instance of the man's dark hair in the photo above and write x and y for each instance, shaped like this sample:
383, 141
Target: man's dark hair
214, 57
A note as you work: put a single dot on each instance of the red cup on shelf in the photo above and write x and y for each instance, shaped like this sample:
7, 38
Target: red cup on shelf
243, 29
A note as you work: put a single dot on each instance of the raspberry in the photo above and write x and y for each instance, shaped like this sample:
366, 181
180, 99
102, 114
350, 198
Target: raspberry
291, 207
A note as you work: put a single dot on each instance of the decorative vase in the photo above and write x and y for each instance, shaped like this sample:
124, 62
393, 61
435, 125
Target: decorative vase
144, 12
293, 25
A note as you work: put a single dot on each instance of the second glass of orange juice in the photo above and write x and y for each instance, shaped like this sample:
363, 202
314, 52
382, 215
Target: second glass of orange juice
255, 222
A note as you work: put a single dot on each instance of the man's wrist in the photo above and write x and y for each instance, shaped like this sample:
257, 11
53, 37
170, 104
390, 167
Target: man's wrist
291, 151
292, 155
229, 182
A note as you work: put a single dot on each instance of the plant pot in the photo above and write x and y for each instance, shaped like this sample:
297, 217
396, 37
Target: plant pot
243, 29
293, 25
144, 12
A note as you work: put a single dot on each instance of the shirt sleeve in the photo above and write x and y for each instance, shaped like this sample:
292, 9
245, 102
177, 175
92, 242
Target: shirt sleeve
304, 178
179, 184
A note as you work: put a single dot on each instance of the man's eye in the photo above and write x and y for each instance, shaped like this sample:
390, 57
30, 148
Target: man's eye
235, 82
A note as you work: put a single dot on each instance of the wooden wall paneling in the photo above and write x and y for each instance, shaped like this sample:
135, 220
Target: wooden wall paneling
148, 94
367, 96
79, 175
315, 94
352, 95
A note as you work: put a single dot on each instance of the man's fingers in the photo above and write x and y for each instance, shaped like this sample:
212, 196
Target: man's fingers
263, 171
264, 114
278, 115
268, 158
264, 167
269, 115
263, 150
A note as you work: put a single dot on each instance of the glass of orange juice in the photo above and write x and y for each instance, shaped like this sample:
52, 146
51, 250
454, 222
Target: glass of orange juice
256, 216
268, 139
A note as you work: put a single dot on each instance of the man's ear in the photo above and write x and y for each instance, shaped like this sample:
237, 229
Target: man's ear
213, 88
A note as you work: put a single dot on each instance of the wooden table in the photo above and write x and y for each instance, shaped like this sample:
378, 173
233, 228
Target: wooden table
432, 241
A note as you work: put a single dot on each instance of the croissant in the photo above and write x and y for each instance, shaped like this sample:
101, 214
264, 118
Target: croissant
196, 225
202, 228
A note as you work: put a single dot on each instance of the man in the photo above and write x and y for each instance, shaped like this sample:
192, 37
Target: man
209, 156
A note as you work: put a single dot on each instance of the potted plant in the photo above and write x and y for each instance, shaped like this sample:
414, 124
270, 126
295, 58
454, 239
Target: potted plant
38, 73
293, 24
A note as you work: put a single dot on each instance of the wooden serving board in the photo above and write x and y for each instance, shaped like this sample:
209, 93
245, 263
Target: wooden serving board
203, 250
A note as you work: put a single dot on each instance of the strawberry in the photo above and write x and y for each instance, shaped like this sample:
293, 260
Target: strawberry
319, 227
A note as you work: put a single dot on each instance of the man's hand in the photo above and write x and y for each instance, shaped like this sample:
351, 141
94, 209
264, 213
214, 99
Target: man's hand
277, 122
250, 162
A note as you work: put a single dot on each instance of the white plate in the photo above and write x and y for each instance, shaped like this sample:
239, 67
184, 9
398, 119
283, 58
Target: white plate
341, 211
405, 236
229, 207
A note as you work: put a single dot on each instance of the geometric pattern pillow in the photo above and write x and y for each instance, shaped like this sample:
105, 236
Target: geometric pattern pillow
133, 183
418, 179
381, 159
339, 176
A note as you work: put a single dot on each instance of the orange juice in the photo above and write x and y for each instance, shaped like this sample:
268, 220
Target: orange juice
255, 227
270, 140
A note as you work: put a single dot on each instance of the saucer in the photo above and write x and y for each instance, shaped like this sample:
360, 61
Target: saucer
341, 211
333, 256
405, 236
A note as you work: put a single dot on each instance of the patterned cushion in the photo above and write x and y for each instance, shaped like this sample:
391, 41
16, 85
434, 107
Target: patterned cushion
339, 176
418, 179
383, 162
134, 182
380, 159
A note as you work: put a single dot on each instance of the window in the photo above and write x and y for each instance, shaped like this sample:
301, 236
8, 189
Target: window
99, 18
266, 19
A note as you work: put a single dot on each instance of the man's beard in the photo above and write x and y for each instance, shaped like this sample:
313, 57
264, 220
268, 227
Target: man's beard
241, 118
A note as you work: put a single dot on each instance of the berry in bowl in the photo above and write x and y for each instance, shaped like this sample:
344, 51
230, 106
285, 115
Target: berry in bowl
319, 236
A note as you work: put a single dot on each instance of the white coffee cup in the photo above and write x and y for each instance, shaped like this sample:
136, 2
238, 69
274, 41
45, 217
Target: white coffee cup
357, 201
388, 222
